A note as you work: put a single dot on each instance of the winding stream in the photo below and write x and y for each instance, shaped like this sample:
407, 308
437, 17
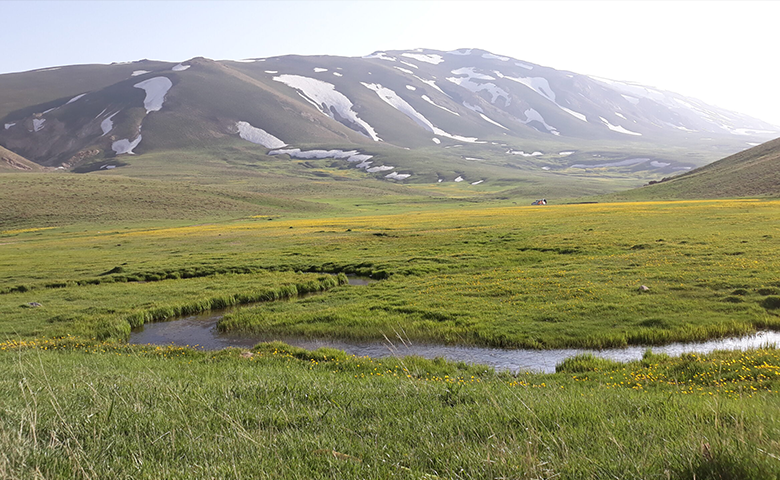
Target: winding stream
200, 331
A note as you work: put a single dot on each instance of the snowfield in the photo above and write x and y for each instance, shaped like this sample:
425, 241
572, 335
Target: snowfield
459, 179
107, 125
125, 146
391, 98
398, 176
328, 100
156, 88
258, 136
320, 69
467, 82
139, 72
490, 56
337, 74
381, 56
487, 119
75, 99
574, 114
405, 70
180, 67
432, 58
410, 87
38, 124
532, 115
524, 65
427, 99
9, 125
618, 128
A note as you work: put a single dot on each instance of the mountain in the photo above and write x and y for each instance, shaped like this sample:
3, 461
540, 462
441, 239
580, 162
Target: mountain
751, 173
421, 116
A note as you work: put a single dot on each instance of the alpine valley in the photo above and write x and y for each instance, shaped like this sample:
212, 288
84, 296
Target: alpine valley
423, 117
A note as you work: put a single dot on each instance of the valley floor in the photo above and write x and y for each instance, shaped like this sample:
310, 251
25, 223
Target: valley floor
80, 402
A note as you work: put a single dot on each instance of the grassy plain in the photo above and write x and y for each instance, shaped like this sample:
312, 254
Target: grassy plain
565, 275
94, 410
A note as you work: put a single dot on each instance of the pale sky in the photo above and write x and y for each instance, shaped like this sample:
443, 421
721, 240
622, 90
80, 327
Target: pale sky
722, 52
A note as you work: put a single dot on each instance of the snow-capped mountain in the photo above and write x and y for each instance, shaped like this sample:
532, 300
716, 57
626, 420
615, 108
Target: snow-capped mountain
424, 100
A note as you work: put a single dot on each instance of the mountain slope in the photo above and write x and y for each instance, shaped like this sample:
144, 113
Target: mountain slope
10, 161
465, 114
752, 173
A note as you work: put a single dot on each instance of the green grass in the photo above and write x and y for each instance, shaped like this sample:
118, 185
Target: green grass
547, 277
75, 410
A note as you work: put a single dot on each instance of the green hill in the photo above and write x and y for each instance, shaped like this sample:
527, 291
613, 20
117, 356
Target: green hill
754, 172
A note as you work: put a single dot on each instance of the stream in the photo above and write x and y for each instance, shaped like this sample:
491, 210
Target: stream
200, 331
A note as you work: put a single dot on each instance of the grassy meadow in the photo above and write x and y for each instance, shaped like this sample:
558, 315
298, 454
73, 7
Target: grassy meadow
79, 402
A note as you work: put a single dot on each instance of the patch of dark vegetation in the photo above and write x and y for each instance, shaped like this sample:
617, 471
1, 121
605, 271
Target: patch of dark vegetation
640, 246
587, 362
740, 291
653, 323
768, 291
99, 166
771, 303
118, 274
114, 270
733, 299
558, 250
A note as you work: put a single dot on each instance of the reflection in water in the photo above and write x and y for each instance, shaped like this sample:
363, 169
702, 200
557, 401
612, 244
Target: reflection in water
200, 331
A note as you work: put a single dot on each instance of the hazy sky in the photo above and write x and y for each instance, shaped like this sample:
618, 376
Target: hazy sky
722, 52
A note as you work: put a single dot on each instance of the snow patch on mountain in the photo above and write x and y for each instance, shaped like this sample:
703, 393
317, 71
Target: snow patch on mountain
490, 56
473, 108
486, 118
431, 58
436, 140
618, 128
108, 124
574, 114
337, 74
411, 87
478, 181
391, 98
532, 115
469, 72
381, 56
139, 72
328, 100
156, 88
76, 98
462, 51
9, 125
381, 168
631, 100
658, 164
428, 99
565, 154
125, 146
180, 67
539, 85
622, 163
524, 65
405, 70
272, 72
467, 82
398, 176
258, 136
524, 154
320, 69
38, 124
459, 179
349, 155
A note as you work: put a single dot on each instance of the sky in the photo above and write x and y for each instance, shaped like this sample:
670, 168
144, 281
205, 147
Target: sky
721, 52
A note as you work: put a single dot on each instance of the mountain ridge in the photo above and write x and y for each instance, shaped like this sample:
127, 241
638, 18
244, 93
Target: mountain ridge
499, 110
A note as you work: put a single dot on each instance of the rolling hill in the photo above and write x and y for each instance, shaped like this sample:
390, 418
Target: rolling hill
751, 173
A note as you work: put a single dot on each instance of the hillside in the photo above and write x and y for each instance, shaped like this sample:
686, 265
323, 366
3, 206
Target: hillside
751, 173
10, 161
466, 116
